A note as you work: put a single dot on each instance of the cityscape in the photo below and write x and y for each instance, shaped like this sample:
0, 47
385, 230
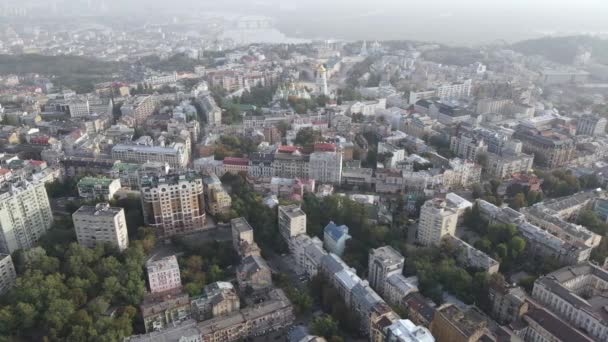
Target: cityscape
214, 172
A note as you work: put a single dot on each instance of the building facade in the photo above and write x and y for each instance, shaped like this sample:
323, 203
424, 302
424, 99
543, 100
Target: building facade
163, 275
173, 204
101, 224
436, 221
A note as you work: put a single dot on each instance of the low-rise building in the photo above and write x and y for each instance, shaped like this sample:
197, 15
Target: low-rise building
509, 303
218, 299
471, 256
163, 275
98, 187
335, 237
451, 324
575, 293
162, 311
217, 199
254, 273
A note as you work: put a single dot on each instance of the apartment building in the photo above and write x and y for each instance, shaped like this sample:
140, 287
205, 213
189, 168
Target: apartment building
436, 221
173, 204
163, 274
101, 224
325, 167
98, 187
550, 149
138, 108
383, 262
175, 154
292, 222
576, 294
218, 299
7, 273
591, 125
467, 147
25, 214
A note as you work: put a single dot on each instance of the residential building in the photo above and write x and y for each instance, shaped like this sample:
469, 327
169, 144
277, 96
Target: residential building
260, 165
218, 299
175, 154
591, 125
173, 204
383, 262
292, 222
289, 162
101, 224
213, 113
236, 165
25, 215
404, 330
397, 287
137, 109
503, 166
163, 275
161, 311
308, 253
467, 147
452, 91
7, 273
550, 149
325, 167
575, 293
543, 325
436, 221
471, 256
451, 324
217, 199
242, 235
335, 237
509, 302
253, 273
98, 187
420, 310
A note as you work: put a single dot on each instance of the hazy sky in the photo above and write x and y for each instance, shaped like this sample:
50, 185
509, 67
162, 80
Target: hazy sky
449, 21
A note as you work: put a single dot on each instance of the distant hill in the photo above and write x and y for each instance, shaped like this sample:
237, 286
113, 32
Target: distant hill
564, 49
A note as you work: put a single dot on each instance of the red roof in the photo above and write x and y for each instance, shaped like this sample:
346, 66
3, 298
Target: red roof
325, 147
236, 161
288, 149
4, 171
37, 162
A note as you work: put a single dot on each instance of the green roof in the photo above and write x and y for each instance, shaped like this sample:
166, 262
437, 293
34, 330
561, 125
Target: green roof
125, 167
90, 181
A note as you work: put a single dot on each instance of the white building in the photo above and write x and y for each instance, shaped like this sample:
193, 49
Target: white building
176, 154
452, 91
325, 167
101, 224
292, 221
404, 330
308, 253
436, 221
163, 274
383, 262
7, 273
25, 215
575, 293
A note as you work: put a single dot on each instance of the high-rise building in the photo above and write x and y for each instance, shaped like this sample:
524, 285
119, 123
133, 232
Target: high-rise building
292, 221
436, 221
101, 224
383, 262
325, 167
173, 204
163, 274
7, 273
591, 125
25, 215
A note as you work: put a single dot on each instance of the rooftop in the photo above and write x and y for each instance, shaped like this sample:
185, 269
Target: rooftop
334, 231
240, 224
292, 210
92, 181
101, 209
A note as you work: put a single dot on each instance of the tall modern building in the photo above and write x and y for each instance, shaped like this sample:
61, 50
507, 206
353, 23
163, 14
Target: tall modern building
436, 221
7, 273
383, 262
173, 204
25, 215
591, 125
101, 224
292, 221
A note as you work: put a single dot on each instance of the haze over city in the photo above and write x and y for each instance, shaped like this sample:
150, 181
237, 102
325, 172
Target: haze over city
303, 171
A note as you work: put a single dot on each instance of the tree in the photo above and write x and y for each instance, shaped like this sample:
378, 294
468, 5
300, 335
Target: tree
519, 201
324, 326
517, 245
